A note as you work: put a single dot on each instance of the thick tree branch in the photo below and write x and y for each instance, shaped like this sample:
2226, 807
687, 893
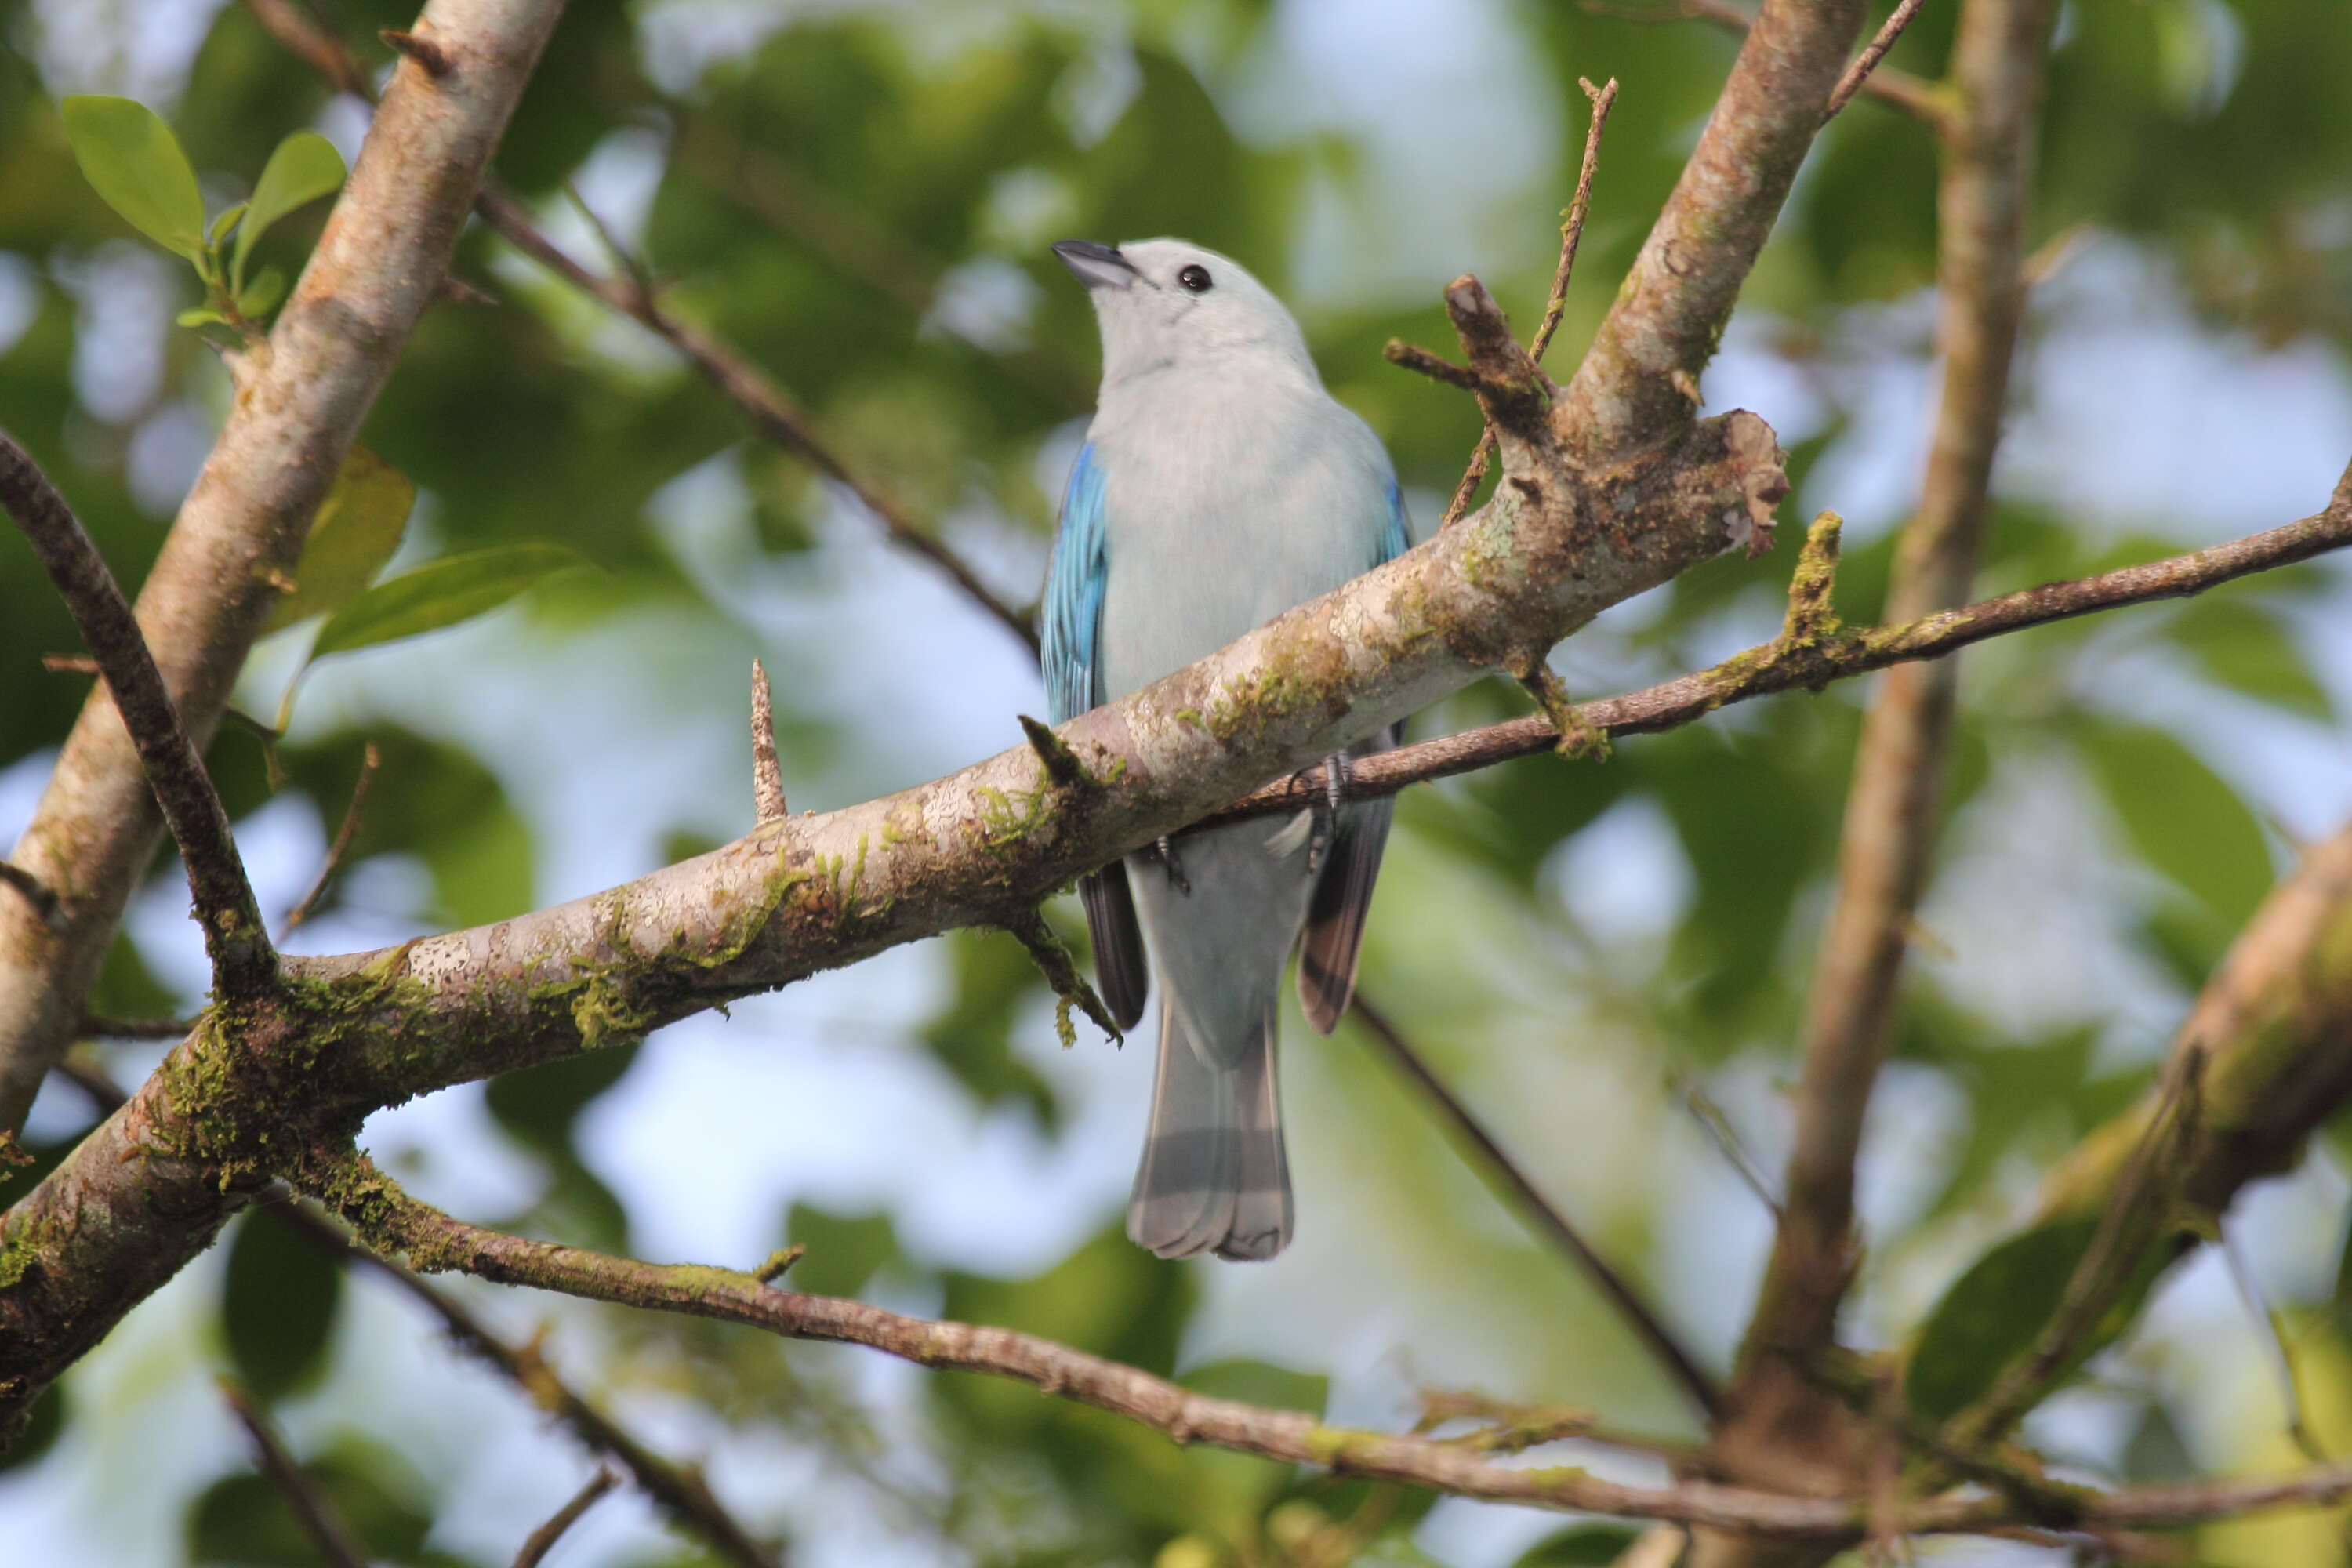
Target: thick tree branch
1783, 1425
2142, 1212
820, 891
2274, 1029
1562, 539
244, 963
301, 398
1639, 380
1490, 1160
1900, 90
435, 1241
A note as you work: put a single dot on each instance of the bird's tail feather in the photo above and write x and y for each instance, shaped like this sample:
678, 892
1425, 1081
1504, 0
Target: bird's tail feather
1214, 1177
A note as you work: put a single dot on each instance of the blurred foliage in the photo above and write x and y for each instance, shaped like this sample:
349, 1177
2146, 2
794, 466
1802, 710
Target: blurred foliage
860, 200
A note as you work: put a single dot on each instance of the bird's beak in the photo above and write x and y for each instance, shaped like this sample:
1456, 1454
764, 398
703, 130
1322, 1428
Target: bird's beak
1096, 266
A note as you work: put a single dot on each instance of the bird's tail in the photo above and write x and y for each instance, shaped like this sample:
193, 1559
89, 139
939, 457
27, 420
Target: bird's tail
1213, 1176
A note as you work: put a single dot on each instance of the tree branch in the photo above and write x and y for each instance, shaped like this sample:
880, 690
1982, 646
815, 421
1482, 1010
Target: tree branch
1783, 1425
774, 413
370, 760
819, 891
1571, 235
389, 1218
1639, 380
336, 1546
244, 963
676, 1489
1857, 75
301, 398
1900, 90
542, 1540
1843, 653
1488, 1157
2272, 1026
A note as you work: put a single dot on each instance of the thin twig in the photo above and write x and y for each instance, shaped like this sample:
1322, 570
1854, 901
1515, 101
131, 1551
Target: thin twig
1071, 988
677, 1489
1571, 234
1489, 1159
97, 1027
774, 413
344, 836
1571, 229
245, 966
317, 1516
1726, 1138
2142, 1210
767, 803
2277, 1352
1508, 1427
1914, 96
285, 21
1776, 667
436, 1240
624, 261
679, 1493
1872, 52
544, 1538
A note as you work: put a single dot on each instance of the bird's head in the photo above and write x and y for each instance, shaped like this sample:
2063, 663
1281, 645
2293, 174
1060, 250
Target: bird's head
1167, 302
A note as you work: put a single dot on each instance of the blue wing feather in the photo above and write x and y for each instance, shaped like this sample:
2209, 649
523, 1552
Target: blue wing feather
1396, 538
1070, 649
1074, 584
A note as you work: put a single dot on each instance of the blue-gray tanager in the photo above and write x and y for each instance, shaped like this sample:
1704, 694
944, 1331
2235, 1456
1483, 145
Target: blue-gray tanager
1219, 486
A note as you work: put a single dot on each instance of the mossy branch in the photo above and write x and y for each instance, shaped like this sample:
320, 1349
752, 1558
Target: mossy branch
387, 1218
1070, 987
1062, 765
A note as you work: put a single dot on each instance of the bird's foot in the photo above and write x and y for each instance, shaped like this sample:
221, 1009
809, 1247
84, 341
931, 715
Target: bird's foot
1173, 866
1336, 773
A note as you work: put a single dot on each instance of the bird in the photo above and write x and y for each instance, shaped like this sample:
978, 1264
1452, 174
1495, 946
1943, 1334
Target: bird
1219, 485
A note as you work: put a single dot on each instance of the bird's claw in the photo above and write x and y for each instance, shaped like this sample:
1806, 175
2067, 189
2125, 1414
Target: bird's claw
1174, 868
1335, 775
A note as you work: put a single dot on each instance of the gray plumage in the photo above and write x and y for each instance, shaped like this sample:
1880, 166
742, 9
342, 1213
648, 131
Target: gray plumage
1220, 486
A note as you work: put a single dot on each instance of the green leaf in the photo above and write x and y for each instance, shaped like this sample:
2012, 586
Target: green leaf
2181, 818
201, 317
256, 297
444, 593
358, 527
227, 220
278, 1305
305, 167
2247, 649
1992, 1314
1580, 1546
134, 162
844, 1251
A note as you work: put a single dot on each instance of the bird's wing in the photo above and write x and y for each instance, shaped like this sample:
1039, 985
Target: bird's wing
1343, 891
1074, 586
1072, 641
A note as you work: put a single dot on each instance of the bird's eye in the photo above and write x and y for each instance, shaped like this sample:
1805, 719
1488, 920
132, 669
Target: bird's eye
1195, 277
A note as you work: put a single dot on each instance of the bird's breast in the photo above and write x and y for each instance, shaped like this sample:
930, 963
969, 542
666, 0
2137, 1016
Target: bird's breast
1221, 511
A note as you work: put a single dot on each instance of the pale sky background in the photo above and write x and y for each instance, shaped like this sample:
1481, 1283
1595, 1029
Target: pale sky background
817, 1094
